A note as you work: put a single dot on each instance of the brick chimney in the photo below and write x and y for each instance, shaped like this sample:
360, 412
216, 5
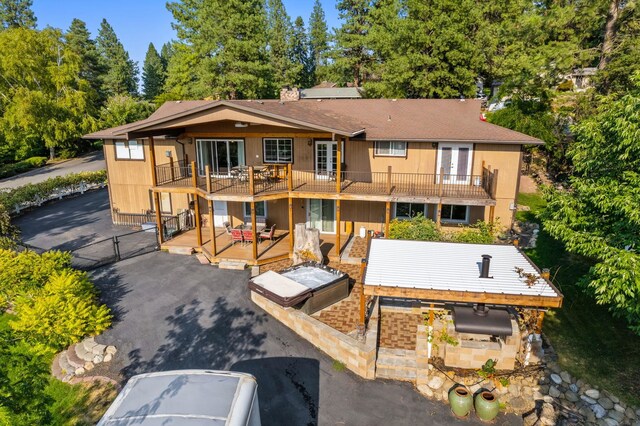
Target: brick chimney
288, 94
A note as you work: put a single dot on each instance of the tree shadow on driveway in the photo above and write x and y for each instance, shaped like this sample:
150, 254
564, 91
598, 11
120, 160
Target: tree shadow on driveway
198, 339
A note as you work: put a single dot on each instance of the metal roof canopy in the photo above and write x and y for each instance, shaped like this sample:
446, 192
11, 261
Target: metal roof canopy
495, 322
450, 272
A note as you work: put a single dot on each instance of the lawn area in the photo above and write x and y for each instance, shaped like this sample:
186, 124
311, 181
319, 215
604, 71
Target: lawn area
591, 344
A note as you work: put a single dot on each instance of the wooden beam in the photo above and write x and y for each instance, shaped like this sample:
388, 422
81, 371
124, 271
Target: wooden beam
290, 226
338, 228
212, 227
152, 158
194, 174
254, 243
207, 173
339, 166
389, 188
438, 215
464, 296
492, 211
252, 187
196, 208
289, 177
387, 218
156, 201
539, 322
363, 304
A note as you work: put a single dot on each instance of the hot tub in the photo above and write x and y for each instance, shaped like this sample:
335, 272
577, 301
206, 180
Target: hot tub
309, 286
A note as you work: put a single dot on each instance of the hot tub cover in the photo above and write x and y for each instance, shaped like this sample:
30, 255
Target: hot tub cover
496, 322
286, 290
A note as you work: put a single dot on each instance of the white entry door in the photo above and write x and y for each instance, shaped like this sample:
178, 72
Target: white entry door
220, 214
455, 159
322, 215
326, 159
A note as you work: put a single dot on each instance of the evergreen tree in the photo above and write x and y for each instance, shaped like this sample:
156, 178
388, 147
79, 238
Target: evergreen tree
279, 36
17, 14
165, 54
300, 55
78, 41
318, 41
226, 41
153, 73
121, 75
352, 58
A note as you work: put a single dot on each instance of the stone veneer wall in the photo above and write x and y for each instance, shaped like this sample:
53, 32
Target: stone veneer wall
472, 354
357, 356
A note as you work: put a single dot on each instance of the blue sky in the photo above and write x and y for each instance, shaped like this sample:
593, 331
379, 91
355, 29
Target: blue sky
138, 22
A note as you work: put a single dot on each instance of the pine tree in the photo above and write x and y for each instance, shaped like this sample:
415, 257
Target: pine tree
78, 40
121, 76
165, 54
300, 54
153, 74
279, 33
352, 57
318, 41
17, 14
226, 40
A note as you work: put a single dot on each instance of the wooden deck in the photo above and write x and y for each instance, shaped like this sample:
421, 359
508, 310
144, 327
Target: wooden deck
267, 251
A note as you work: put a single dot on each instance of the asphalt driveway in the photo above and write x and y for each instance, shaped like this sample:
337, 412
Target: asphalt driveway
171, 312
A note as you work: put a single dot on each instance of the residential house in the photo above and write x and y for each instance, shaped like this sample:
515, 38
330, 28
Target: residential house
339, 165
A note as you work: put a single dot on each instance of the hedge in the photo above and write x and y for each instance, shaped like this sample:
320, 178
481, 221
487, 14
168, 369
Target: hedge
8, 170
36, 193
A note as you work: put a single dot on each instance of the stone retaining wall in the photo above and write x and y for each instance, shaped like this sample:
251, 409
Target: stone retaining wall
357, 356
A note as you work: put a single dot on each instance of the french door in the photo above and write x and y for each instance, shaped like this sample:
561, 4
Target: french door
220, 213
455, 159
322, 215
220, 155
326, 159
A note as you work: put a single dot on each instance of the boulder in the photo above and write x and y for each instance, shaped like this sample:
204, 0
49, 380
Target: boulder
606, 403
593, 393
436, 382
555, 378
554, 392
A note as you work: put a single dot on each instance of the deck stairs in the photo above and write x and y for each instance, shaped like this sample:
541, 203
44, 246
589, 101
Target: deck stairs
396, 364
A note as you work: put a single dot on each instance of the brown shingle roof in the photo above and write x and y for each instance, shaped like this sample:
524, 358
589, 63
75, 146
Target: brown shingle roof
374, 119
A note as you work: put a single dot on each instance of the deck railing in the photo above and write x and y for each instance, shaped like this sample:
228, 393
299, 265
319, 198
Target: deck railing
284, 179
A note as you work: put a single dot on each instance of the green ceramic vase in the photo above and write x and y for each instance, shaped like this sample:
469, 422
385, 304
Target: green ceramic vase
487, 406
461, 401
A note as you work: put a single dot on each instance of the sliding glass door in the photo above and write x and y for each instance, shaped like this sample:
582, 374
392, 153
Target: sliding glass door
220, 155
322, 215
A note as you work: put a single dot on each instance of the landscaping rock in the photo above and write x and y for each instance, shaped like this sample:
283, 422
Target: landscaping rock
611, 422
98, 349
579, 383
514, 390
630, 413
556, 379
98, 359
554, 392
598, 410
588, 400
614, 398
593, 393
107, 358
548, 399
111, 350
88, 366
618, 407
544, 389
566, 377
587, 413
616, 415
436, 382
79, 371
574, 388
571, 396
425, 390
518, 404
606, 403
548, 415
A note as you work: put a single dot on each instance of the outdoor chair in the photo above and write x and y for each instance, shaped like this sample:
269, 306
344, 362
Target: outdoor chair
236, 236
247, 235
227, 227
268, 235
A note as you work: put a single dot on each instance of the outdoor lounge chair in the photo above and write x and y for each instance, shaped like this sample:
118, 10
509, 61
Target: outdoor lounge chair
268, 235
236, 236
247, 235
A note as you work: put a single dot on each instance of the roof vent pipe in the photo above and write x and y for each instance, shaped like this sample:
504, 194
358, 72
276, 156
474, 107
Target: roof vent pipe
486, 262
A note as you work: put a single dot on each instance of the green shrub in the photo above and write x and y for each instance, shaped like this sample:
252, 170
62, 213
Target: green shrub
62, 313
8, 232
24, 273
480, 233
417, 228
36, 161
11, 169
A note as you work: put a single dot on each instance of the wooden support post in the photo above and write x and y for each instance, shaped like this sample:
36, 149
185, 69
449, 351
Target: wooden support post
387, 218
431, 315
338, 229
438, 215
339, 166
290, 224
289, 178
152, 157
172, 172
492, 212
212, 228
186, 159
441, 183
539, 322
388, 180
156, 201
440, 193
194, 174
196, 211
363, 304
207, 173
494, 184
252, 189
254, 226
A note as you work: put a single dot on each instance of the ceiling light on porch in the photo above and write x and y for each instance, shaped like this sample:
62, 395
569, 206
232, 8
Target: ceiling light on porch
241, 124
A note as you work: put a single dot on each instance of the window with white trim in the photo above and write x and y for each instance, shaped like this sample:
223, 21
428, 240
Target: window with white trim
409, 210
278, 150
129, 150
261, 210
454, 213
390, 149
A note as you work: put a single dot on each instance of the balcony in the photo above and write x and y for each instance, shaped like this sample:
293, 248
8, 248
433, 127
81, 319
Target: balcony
266, 180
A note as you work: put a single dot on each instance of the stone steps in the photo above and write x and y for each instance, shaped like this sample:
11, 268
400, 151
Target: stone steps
202, 259
83, 353
80, 358
73, 358
187, 251
237, 266
397, 364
